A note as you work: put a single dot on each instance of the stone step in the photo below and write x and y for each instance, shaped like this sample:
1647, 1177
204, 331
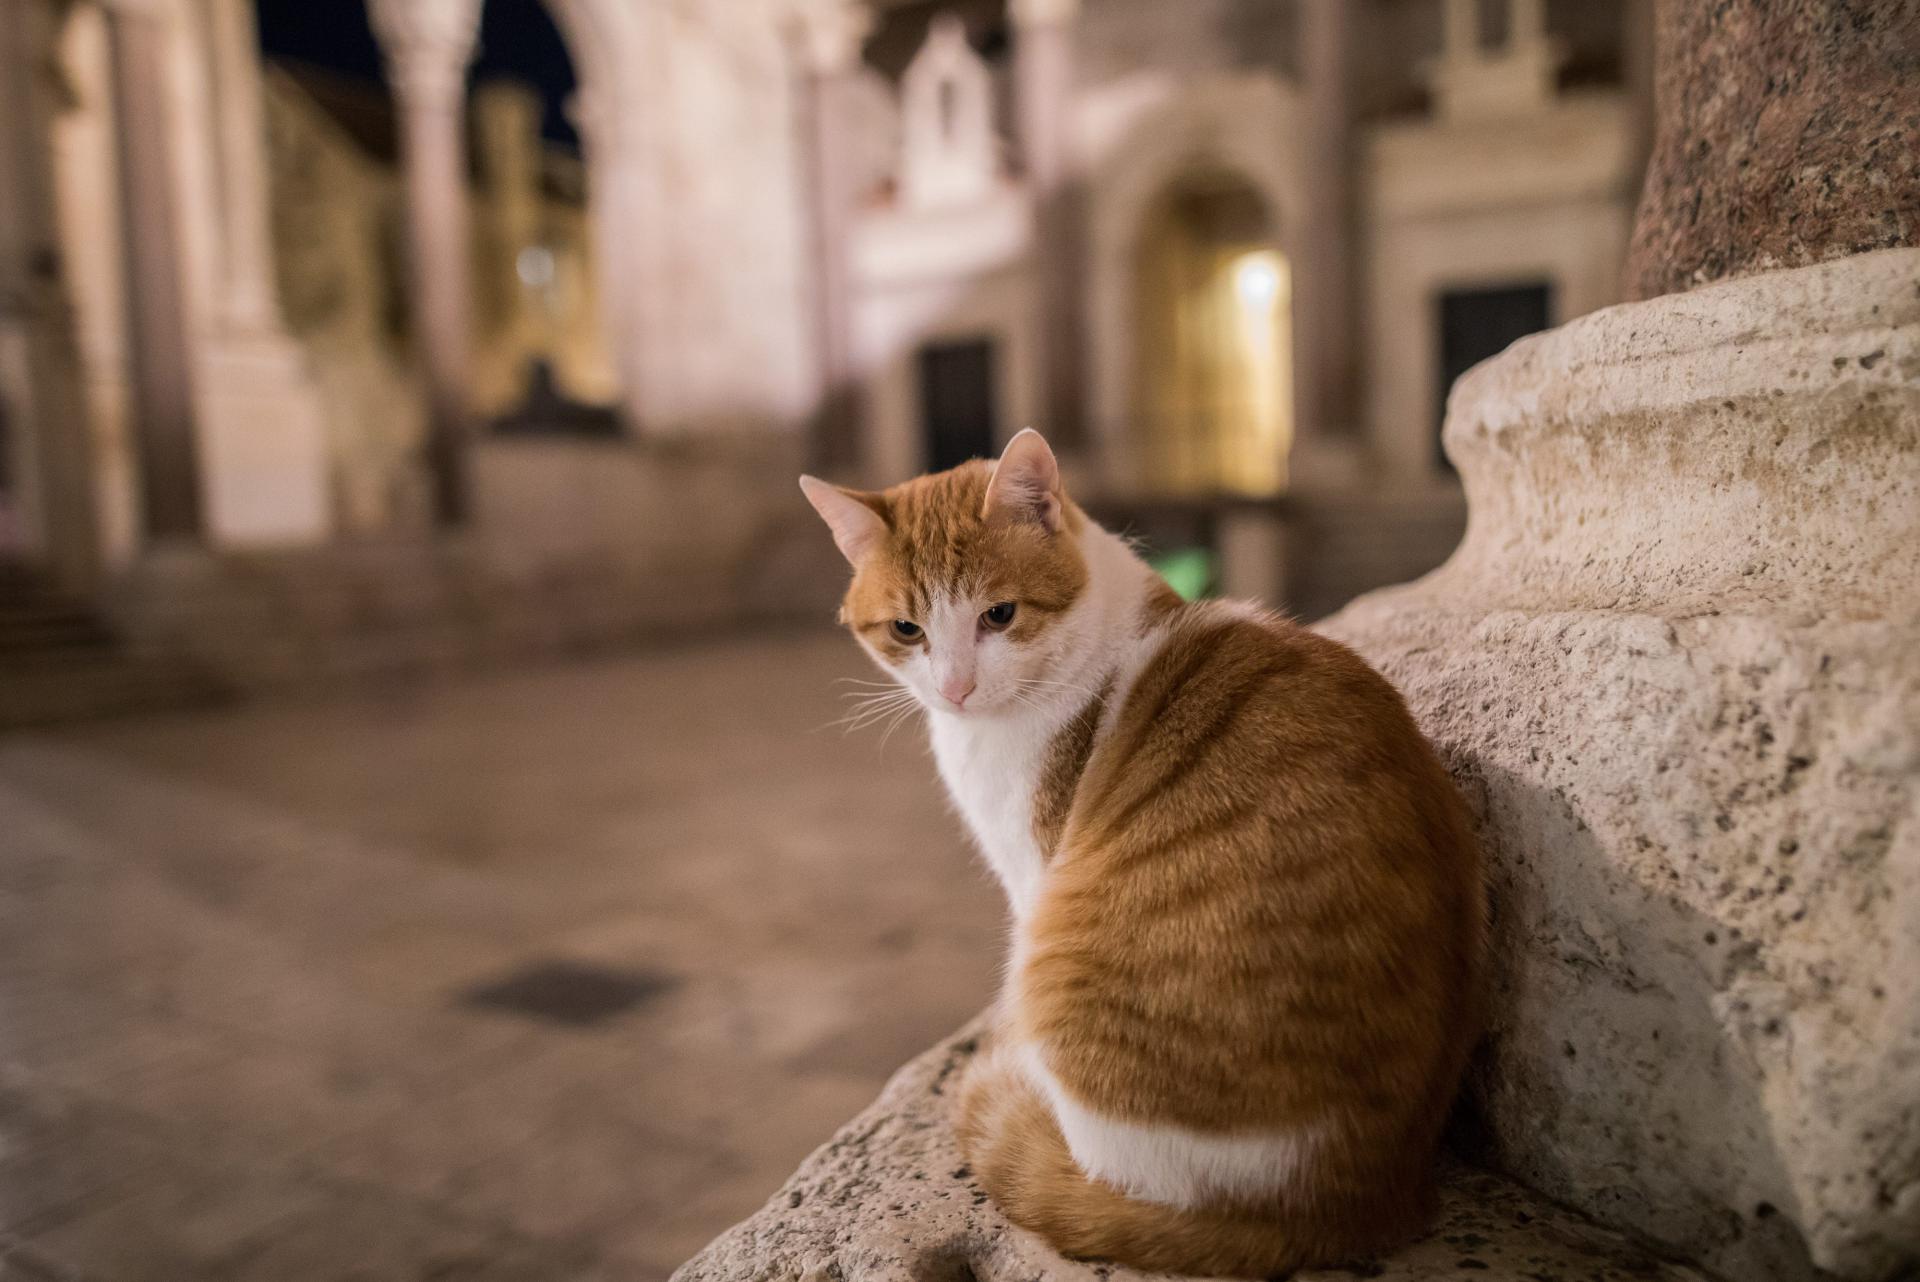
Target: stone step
60, 661
52, 631
75, 688
889, 1199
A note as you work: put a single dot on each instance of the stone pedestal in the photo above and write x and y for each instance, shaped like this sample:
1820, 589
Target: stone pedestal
1251, 539
261, 425
263, 438
1673, 665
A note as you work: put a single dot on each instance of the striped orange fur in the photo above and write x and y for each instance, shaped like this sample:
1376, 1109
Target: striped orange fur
1247, 904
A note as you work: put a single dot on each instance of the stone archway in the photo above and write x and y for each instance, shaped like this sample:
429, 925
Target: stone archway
1212, 374
1242, 125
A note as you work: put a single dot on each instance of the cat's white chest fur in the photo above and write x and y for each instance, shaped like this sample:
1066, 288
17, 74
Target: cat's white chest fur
991, 769
992, 765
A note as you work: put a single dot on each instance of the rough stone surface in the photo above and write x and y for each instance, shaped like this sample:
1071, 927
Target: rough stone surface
889, 1200
1676, 667
1788, 133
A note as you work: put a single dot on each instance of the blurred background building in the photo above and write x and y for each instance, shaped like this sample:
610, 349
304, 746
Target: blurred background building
344, 337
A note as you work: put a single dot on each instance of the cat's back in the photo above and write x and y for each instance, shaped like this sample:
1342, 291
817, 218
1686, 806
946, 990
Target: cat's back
1264, 906
1237, 711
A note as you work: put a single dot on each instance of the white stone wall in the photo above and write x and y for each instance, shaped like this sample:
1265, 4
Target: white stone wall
1546, 196
716, 242
928, 279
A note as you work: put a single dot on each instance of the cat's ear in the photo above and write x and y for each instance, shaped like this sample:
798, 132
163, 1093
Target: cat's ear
1026, 482
853, 517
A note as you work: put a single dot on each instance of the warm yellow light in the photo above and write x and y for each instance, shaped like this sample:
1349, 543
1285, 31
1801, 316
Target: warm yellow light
1256, 279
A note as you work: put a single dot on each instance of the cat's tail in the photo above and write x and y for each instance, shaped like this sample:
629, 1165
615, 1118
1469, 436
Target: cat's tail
1016, 1150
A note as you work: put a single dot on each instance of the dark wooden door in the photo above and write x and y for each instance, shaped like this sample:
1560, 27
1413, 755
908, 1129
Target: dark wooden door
1478, 323
957, 402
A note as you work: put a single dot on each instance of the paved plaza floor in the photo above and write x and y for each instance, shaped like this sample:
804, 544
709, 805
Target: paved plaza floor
544, 975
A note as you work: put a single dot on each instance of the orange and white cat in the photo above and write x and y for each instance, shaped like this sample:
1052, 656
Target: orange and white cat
1247, 904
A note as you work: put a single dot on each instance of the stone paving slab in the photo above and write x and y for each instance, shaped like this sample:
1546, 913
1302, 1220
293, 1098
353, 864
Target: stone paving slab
890, 1200
237, 950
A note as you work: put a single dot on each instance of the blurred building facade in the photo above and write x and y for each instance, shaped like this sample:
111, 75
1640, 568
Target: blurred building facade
1228, 254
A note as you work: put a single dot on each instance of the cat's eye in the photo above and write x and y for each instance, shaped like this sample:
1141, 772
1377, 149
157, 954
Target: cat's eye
997, 617
906, 630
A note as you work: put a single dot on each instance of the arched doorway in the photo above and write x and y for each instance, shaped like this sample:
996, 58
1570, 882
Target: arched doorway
1213, 376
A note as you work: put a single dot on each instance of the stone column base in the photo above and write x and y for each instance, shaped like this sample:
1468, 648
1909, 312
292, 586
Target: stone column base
263, 447
1676, 667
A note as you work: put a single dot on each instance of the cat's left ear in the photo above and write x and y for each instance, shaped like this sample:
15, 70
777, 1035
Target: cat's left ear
1026, 482
854, 517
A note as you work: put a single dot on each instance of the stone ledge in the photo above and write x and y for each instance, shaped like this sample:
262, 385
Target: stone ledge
888, 1199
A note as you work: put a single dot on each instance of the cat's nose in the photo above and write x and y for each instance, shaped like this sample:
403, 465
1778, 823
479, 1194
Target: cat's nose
956, 690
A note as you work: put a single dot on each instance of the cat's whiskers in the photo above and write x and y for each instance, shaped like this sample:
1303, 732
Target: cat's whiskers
899, 718
868, 715
870, 708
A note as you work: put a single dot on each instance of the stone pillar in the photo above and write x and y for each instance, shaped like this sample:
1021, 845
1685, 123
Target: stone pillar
1326, 416
832, 40
247, 297
46, 456
1672, 666
1787, 134
1044, 72
428, 44
260, 417
158, 345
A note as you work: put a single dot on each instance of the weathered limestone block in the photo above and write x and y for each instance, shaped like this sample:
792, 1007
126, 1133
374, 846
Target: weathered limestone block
1676, 666
889, 1200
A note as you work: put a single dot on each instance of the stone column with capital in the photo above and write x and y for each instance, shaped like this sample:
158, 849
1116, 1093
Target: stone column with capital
1326, 416
832, 35
1044, 75
427, 45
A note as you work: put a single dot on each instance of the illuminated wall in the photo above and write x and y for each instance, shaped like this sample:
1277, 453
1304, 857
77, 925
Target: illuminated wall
1215, 382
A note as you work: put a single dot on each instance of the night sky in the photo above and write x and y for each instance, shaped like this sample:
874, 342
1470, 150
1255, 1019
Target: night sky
517, 40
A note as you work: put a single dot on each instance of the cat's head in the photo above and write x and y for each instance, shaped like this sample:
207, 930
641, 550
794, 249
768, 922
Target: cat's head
962, 579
